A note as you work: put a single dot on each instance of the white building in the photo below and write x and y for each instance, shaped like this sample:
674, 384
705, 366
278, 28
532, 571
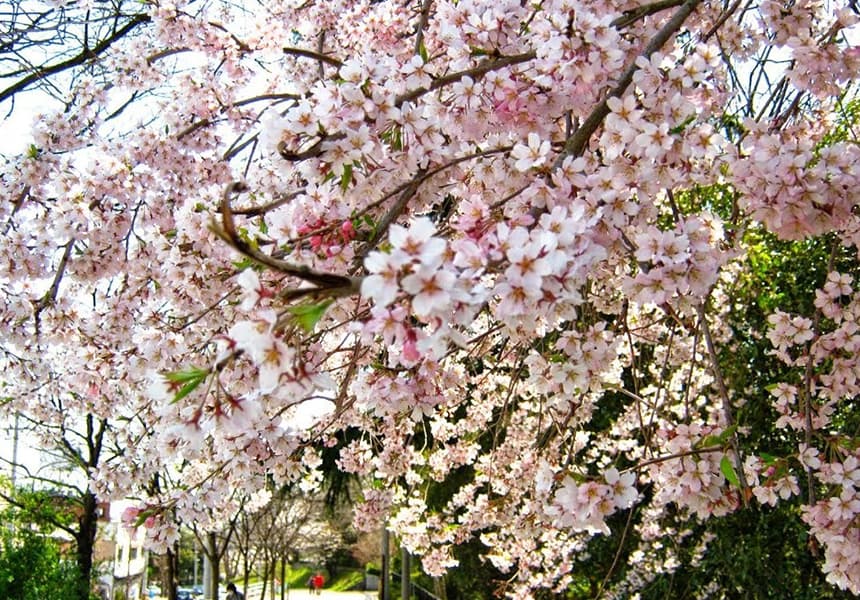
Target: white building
127, 579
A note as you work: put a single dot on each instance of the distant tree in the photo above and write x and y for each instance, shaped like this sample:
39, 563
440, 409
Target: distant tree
292, 524
62, 497
32, 566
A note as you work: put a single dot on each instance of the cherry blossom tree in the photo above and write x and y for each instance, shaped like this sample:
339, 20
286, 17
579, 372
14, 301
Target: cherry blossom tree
498, 241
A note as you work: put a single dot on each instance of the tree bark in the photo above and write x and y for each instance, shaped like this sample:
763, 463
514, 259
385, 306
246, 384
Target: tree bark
85, 541
214, 559
170, 581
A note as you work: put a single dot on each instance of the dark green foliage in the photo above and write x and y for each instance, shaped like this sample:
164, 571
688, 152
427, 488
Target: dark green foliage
32, 568
758, 553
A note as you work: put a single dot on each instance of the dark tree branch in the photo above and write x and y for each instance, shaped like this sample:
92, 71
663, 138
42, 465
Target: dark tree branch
330, 284
314, 55
85, 55
640, 12
481, 69
575, 144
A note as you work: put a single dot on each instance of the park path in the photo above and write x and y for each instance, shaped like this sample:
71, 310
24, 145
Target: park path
304, 594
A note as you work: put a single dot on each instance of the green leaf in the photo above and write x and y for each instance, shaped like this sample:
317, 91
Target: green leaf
308, 315
187, 380
717, 439
346, 178
186, 389
708, 441
243, 264
186, 375
681, 127
728, 471
769, 459
33, 151
727, 433
422, 50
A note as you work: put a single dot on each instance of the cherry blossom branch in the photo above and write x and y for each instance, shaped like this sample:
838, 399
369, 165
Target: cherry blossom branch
724, 16
806, 403
16, 206
618, 550
575, 145
156, 56
51, 295
664, 458
333, 285
256, 211
230, 153
405, 194
422, 25
395, 211
484, 67
628, 17
189, 320
320, 48
319, 56
311, 152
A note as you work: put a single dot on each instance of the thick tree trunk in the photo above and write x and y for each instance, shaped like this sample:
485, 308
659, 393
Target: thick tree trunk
85, 541
267, 569
214, 558
246, 569
171, 573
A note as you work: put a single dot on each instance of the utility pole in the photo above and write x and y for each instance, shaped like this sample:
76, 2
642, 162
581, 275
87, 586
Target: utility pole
405, 574
15, 449
385, 575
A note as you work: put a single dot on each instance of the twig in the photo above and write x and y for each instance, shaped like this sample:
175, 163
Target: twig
422, 25
314, 55
51, 295
724, 395
628, 17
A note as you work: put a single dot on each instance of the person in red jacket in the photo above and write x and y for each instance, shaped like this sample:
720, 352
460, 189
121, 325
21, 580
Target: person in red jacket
317, 582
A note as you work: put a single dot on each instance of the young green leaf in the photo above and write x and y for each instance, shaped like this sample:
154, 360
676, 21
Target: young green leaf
186, 380
186, 375
308, 315
346, 178
186, 389
768, 459
728, 471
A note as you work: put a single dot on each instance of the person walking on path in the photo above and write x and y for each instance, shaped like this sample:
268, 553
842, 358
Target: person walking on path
233, 593
317, 582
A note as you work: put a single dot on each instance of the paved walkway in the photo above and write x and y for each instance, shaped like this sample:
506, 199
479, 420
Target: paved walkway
297, 594
304, 594
301, 594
